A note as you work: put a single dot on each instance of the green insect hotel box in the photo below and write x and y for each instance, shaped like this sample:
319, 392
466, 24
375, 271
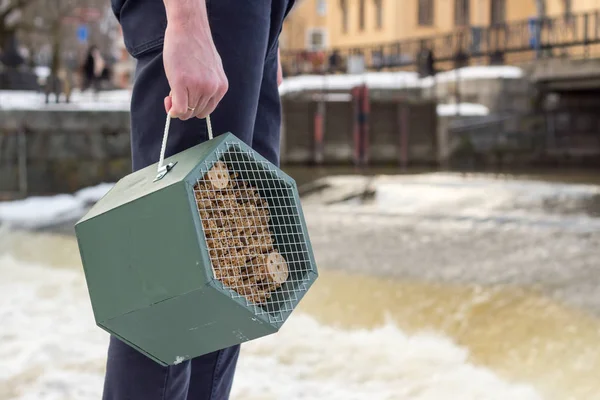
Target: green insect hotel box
211, 252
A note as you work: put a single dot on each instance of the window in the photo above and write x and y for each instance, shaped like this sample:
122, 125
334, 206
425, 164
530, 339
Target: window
361, 15
497, 12
322, 7
378, 13
344, 7
461, 12
316, 39
425, 12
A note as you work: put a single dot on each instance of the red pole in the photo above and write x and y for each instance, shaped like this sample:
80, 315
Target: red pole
318, 133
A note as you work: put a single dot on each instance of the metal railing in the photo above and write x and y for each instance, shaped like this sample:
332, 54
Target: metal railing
562, 36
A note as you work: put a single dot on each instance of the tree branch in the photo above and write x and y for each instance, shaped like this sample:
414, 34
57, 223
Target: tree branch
18, 4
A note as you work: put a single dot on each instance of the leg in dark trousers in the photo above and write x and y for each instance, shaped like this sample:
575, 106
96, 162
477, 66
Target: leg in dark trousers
245, 33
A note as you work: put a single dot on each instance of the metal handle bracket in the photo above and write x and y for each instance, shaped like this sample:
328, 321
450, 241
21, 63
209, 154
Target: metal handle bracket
162, 171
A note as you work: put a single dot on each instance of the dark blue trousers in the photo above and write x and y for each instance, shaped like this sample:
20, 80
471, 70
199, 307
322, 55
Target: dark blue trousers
245, 33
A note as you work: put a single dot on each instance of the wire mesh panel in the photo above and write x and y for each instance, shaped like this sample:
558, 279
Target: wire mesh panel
251, 220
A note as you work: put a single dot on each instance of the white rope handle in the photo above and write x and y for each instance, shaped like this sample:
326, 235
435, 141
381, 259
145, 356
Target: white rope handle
166, 135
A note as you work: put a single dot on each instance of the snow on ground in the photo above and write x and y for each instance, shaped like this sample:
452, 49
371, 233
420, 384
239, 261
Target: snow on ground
462, 109
40, 211
374, 80
476, 72
475, 198
113, 100
119, 100
395, 80
483, 197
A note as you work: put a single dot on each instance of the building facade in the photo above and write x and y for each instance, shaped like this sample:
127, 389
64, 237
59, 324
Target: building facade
324, 24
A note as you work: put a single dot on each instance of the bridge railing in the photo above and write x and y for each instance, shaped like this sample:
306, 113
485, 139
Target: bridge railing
574, 35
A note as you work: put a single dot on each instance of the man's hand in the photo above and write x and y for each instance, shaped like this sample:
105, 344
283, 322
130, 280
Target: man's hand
192, 64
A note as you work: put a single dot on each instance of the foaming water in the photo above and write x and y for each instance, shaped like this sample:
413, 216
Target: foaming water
354, 337
521, 335
478, 198
480, 195
310, 360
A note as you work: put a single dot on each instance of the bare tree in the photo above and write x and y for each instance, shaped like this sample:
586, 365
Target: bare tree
49, 28
43, 22
10, 17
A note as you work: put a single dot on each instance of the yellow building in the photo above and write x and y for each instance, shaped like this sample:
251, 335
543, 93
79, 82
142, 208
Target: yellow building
318, 24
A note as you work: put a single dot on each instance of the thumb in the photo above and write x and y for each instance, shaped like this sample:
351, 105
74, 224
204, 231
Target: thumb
178, 102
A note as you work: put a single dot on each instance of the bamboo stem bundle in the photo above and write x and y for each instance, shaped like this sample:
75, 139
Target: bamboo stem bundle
236, 222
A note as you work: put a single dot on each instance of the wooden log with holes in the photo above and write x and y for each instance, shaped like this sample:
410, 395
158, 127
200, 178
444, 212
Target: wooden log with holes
270, 267
218, 175
263, 275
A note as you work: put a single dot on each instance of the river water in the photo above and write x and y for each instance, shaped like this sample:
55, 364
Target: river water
432, 286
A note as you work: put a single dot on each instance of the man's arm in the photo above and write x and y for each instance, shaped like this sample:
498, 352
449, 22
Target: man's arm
192, 64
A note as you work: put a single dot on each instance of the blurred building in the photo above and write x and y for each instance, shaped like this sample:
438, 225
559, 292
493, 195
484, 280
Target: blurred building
546, 99
317, 24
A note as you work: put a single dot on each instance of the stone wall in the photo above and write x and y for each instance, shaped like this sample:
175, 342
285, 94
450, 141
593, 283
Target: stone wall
497, 94
388, 121
298, 138
65, 150
403, 132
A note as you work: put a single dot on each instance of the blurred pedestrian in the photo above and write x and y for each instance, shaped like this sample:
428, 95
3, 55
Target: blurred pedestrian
93, 69
196, 58
335, 62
